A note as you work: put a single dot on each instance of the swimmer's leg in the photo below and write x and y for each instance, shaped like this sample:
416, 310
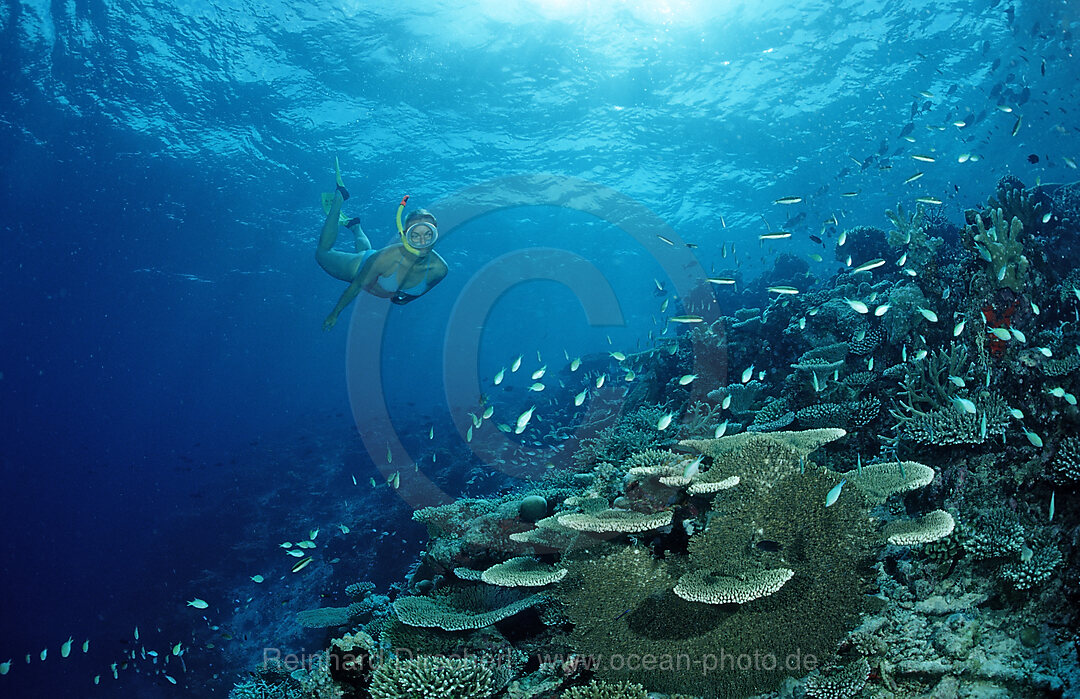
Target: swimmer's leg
362, 242
340, 265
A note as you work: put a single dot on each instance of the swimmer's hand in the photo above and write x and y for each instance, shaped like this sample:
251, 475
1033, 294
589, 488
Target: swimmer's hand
331, 321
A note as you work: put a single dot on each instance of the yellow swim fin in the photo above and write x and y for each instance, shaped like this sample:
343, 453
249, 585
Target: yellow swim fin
327, 202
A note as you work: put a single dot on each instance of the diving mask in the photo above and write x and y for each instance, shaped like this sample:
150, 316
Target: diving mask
420, 235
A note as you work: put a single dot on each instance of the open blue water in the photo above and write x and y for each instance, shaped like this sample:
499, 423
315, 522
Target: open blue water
171, 407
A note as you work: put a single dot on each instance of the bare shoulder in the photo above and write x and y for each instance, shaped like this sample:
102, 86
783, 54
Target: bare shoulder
438, 264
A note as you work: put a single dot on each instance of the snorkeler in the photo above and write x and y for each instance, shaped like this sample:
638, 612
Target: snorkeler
402, 272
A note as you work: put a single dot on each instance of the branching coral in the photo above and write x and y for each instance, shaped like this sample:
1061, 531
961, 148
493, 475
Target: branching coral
634, 432
909, 233
1065, 467
744, 397
1034, 569
927, 385
606, 690
843, 683
774, 416
432, 677
849, 415
1002, 250
994, 534
1016, 203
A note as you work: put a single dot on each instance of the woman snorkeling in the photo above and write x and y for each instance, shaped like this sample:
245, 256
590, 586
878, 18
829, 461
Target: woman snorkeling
402, 272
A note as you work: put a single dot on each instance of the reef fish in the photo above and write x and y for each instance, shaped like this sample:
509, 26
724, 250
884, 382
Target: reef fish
964, 405
1036, 440
867, 266
857, 306
523, 420
834, 494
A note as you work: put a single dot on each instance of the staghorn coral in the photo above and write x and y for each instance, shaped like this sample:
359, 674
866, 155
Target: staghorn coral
432, 677
927, 386
948, 426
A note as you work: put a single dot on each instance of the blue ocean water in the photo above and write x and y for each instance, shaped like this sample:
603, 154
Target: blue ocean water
172, 409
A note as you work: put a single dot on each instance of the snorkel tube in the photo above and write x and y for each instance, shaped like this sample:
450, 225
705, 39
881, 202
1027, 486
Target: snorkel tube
401, 229
400, 209
405, 233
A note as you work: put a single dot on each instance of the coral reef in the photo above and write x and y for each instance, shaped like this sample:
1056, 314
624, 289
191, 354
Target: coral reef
606, 690
432, 677
1001, 248
786, 510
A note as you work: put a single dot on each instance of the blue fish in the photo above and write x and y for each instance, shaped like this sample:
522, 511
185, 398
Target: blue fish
832, 496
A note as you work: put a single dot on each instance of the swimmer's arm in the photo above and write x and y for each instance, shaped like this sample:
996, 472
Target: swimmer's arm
368, 274
437, 275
